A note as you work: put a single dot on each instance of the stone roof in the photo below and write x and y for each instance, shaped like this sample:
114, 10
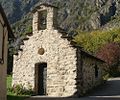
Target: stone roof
10, 33
37, 6
74, 44
92, 56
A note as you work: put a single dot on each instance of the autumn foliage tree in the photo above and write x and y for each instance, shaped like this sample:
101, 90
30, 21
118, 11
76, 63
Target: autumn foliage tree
110, 53
92, 41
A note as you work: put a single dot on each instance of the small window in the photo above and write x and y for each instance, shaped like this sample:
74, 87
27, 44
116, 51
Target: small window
1, 42
42, 20
96, 71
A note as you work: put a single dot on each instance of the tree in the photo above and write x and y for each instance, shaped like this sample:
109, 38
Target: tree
93, 41
110, 53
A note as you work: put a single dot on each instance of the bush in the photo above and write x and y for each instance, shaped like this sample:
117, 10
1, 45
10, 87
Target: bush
106, 76
93, 41
110, 53
20, 90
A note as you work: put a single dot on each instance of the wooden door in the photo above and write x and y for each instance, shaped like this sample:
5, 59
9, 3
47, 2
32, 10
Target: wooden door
40, 78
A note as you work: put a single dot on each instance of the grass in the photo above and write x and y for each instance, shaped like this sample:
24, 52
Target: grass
10, 95
13, 97
9, 84
9, 81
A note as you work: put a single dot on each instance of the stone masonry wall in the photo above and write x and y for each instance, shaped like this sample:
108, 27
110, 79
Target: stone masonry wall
60, 59
59, 56
86, 79
89, 79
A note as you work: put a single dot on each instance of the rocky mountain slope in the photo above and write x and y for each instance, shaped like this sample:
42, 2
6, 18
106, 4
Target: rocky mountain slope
73, 15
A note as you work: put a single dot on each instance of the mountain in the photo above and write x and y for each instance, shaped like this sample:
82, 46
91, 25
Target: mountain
73, 15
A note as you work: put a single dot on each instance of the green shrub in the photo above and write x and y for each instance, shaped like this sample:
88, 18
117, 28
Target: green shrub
93, 41
106, 76
20, 90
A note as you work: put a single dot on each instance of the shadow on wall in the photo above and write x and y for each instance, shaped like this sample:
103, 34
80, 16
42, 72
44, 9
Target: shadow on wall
10, 64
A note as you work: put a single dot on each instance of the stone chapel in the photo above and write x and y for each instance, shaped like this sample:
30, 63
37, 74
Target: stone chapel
51, 63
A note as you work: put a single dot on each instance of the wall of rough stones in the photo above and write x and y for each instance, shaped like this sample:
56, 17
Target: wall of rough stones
86, 79
89, 79
59, 56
